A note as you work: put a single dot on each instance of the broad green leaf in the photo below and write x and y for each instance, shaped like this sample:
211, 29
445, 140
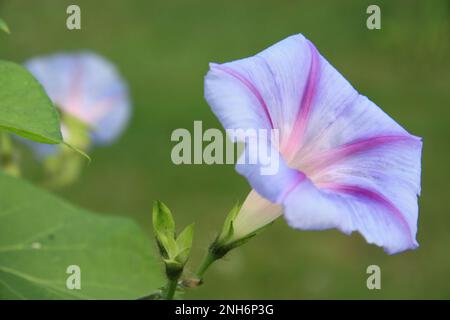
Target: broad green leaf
41, 236
25, 108
4, 26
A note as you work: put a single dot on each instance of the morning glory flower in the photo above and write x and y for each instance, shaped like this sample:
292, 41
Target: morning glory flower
87, 87
343, 162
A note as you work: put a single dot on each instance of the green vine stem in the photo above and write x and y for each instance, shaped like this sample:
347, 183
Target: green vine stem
206, 263
171, 288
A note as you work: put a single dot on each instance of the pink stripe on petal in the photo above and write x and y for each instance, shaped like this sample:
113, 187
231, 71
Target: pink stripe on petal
342, 152
373, 196
305, 106
250, 86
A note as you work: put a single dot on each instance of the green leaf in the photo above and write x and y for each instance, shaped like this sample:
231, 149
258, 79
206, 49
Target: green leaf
41, 236
4, 26
25, 108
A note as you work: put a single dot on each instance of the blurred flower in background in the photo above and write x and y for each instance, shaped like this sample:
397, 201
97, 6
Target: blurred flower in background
93, 101
87, 87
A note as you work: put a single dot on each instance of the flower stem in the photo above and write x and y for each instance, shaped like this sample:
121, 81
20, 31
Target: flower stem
207, 262
171, 288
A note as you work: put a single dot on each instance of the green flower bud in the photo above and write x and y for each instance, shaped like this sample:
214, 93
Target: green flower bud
175, 250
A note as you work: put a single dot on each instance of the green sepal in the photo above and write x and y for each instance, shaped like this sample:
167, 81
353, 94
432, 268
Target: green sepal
184, 244
227, 229
225, 242
173, 268
64, 167
164, 230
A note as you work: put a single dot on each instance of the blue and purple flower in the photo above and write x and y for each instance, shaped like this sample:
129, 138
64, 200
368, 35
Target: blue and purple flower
344, 163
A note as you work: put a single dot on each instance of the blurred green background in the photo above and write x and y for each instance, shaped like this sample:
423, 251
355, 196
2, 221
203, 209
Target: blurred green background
163, 48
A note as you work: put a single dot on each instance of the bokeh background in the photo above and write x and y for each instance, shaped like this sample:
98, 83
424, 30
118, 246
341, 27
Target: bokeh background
163, 48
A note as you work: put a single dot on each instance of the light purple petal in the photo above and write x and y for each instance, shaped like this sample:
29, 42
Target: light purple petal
88, 87
352, 208
267, 88
374, 164
344, 163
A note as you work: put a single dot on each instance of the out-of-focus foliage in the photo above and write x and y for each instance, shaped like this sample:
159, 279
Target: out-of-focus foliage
25, 109
3, 26
41, 236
